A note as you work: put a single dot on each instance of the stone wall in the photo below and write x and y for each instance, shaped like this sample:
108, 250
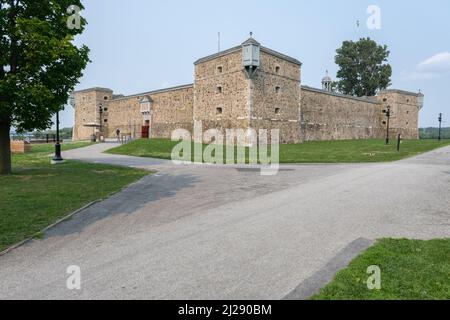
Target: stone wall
329, 116
276, 98
87, 110
222, 93
405, 107
172, 109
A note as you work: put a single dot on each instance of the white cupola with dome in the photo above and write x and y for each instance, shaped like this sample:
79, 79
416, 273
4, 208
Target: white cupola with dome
327, 82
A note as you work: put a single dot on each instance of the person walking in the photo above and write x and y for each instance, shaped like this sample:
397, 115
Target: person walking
118, 135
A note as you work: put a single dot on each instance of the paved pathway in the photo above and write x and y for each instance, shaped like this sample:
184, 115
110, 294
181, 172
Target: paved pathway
206, 232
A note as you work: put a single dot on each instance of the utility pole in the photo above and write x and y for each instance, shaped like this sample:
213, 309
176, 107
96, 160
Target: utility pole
440, 127
388, 115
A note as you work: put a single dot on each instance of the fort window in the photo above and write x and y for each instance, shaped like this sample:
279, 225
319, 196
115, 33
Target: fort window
219, 110
219, 89
385, 99
277, 110
277, 69
105, 120
384, 122
105, 98
384, 111
105, 109
277, 89
219, 69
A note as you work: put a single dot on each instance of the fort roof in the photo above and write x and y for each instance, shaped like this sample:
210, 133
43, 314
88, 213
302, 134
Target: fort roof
365, 99
94, 89
238, 48
401, 92
186, 86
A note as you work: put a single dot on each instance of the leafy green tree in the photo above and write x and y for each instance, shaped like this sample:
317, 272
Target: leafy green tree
39, 64
363, 68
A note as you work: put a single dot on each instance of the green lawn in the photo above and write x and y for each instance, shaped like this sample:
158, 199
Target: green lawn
349, 151
37, 194
410, 269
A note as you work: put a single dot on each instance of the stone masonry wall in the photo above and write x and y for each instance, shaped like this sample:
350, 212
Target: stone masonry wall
86, 110
172, 109
328, 116
276, 98
222, 93
404, 113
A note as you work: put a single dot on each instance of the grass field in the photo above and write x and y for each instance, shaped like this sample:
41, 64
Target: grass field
350, 151
38, 194
410, 269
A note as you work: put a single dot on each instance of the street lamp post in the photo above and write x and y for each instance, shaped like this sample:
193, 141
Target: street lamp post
440, 126
57, 158
388, 115
101, 123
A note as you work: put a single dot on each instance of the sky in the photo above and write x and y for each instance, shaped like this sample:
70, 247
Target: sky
143, 45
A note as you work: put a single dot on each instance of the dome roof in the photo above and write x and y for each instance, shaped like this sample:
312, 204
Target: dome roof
327, 78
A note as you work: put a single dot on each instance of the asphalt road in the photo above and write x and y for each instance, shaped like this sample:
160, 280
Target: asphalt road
206, 232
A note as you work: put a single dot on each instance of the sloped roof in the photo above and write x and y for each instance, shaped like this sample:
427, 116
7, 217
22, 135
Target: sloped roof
250, 40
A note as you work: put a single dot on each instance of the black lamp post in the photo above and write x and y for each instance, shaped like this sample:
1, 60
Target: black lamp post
100, 110
57, 158
388, 115
440, 126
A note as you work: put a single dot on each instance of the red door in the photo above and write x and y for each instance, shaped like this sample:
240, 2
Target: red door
145, 132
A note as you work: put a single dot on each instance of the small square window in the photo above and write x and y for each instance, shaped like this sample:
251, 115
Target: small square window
277, 89
277, 110
219, 111
105, 120
277, 69
219, 69
105, 98
219, 89
105, 109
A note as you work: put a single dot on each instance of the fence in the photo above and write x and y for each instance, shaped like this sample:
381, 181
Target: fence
37, 138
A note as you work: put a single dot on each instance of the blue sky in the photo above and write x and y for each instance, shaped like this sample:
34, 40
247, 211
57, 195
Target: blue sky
142, 45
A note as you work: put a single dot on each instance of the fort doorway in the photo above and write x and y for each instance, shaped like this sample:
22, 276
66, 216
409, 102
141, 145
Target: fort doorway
146, 130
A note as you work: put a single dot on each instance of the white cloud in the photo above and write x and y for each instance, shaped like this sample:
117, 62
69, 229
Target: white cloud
433, 67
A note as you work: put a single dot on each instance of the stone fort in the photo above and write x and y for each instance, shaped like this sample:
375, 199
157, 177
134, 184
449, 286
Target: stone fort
248, 86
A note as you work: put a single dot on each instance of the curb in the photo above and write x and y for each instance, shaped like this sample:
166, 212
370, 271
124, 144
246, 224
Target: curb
17, 245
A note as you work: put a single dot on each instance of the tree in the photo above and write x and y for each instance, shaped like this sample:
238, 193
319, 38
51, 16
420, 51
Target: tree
363, 68
39, 64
